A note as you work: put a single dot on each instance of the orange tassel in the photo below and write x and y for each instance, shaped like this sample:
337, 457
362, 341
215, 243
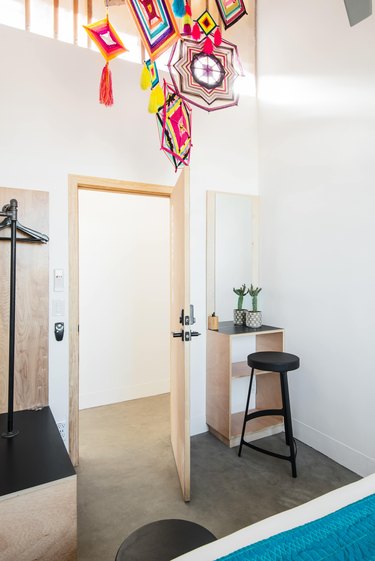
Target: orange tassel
196, 33
106, 93
217, 37
208, 47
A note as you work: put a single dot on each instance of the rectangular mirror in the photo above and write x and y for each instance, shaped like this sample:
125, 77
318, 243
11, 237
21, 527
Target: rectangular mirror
232, 249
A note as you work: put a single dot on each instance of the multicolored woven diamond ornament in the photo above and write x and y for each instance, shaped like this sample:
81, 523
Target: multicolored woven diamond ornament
231, 11
110, 45
150, 79
208, 25
174, 125
156, 24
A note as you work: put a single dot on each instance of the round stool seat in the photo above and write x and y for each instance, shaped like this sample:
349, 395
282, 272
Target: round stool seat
163, 540
273, 361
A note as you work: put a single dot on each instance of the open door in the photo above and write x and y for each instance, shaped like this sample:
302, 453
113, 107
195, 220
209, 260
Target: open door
180, 327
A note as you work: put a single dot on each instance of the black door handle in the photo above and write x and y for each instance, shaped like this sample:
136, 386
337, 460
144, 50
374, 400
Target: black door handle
177, 333
195, 334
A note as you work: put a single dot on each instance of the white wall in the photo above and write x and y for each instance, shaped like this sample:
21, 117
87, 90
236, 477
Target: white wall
317, 169
52, 125
124, 297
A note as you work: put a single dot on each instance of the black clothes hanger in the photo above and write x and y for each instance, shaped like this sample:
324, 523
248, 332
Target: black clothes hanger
10, 212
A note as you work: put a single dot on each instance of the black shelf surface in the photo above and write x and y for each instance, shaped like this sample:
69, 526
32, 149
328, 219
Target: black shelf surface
229, 328
37, 455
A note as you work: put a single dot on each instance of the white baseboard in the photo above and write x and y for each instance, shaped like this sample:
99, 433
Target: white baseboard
116, 395
338, 451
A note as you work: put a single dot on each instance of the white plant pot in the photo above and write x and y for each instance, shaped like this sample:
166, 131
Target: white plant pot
253, 319
239, 317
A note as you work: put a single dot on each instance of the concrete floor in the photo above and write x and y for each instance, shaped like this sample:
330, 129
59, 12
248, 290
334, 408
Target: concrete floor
127, 478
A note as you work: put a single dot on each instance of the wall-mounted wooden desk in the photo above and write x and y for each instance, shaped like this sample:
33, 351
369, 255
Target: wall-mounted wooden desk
221, 372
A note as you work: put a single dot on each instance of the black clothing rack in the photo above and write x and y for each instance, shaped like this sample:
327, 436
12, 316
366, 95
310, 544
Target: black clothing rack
10, 212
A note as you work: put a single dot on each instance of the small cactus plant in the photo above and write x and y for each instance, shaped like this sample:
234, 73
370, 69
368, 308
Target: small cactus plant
254, 296
241, 292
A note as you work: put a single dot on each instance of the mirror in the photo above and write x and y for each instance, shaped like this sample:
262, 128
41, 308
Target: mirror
232, 249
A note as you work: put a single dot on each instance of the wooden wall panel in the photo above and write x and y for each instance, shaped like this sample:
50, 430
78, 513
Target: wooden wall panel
40, 523
31, 356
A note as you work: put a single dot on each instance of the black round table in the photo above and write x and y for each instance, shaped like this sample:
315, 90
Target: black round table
163, 540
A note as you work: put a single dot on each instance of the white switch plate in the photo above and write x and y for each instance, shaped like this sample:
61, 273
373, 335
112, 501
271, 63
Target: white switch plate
58, 307
58, 280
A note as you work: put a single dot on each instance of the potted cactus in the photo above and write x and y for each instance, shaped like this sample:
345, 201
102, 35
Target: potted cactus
239, 314
254, 317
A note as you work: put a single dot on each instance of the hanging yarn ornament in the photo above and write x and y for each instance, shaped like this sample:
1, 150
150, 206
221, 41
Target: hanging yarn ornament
110, 45
217, 37
187, 25
196, 33
178, 8
208, 47
187, 20
145, 78
156, 99
106, 92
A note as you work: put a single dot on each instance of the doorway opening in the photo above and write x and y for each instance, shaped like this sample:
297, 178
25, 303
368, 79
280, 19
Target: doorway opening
124, 293
179, 301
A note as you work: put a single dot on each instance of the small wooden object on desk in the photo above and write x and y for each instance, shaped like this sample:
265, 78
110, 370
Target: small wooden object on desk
221, 372
213, 322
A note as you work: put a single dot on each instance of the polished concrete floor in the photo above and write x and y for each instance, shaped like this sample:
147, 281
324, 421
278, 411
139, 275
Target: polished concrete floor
127, 478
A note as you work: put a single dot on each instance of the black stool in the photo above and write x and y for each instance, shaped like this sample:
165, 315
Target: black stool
163, 540
274, 362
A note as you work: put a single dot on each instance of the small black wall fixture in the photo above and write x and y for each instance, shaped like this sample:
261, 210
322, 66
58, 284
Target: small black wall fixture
10, 212
358, 10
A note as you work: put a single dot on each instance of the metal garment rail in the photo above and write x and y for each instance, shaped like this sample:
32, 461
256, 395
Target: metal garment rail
10, 211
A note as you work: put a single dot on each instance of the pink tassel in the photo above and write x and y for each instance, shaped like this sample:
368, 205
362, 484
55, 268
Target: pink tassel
217, 37
187, 29
188, 9
106, 93
208, 47
196, 33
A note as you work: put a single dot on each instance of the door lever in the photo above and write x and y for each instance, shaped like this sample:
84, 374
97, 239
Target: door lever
178, 333
195, 334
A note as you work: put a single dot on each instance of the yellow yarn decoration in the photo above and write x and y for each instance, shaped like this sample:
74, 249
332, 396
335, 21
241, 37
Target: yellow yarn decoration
145, 78
156, 99
160, 95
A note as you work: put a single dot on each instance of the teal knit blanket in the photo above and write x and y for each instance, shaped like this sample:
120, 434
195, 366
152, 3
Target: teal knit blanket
345, 535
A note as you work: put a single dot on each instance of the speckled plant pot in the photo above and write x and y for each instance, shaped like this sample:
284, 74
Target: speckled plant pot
239, 317
253, 319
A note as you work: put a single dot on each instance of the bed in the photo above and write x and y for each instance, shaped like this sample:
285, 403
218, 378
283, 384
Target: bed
349, 496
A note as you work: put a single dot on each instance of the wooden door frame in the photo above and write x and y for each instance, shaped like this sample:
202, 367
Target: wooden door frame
77, 182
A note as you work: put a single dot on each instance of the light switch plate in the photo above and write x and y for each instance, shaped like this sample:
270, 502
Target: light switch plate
58, 280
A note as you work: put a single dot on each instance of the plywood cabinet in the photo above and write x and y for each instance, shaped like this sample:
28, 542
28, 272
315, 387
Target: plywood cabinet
223, 368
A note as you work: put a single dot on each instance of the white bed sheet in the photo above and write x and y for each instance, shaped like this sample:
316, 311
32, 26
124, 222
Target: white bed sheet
284, 521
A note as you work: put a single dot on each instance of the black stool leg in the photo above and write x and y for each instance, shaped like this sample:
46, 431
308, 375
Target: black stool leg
246, 410
288, 420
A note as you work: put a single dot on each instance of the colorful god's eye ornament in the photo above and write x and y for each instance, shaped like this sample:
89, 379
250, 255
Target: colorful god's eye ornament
156, 24
206, 24
110, 45
205, 80
150, 79
231, 11
174, 125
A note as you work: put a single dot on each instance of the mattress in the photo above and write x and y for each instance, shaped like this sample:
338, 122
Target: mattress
313, 510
